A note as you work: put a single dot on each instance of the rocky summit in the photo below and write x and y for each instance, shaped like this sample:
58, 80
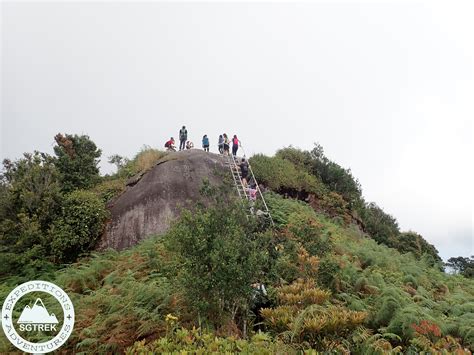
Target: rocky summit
154, 199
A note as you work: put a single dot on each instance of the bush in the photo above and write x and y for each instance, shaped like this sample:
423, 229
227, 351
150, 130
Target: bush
411, 242
79, 226
310, 232
196, 341
218, 257
109, 188
380, 225
335, 177
281, 208
281, 175
299, 158
143, 161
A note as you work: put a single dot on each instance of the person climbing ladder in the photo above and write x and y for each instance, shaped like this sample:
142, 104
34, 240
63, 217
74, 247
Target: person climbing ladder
244, 171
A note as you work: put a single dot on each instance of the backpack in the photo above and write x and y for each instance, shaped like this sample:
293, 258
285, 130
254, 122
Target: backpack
183, 134
167, 144
235, 141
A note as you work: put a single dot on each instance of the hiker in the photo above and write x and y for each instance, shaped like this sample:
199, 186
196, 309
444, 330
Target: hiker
252, 192
259, 300
226, 144
220, 144
169, 145
189, 145
235, 145
205, 143
183, 137
244, 171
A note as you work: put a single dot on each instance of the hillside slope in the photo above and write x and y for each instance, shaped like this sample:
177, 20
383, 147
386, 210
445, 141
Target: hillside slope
195, 282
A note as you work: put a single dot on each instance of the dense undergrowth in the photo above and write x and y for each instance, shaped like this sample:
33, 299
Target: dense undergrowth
339, 274
329, 287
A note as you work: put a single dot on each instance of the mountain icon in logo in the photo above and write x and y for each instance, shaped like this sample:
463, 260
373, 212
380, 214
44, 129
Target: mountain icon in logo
37, 314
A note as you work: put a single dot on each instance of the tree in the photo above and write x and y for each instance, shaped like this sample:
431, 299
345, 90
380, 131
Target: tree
77, 160
218, 257
30, 201
118, 161
462, 265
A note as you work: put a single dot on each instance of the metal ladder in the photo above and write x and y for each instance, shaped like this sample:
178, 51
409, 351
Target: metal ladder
242, 190
237, 177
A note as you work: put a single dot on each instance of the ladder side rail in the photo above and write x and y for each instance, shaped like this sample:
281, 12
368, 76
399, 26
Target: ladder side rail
258, 187
237, 179
237, 168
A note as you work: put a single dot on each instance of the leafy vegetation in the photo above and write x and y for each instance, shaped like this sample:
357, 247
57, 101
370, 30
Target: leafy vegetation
218, 257
198, 288
312, 177
53, 208
78, 226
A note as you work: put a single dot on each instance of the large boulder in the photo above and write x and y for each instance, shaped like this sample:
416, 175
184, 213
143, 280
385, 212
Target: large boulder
152, 201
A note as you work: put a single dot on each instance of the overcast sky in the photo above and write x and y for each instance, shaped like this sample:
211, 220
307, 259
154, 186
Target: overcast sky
387, 89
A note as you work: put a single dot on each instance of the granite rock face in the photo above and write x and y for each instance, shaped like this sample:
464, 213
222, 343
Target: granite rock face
149, 205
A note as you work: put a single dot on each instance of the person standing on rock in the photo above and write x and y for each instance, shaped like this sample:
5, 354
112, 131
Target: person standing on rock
235, 145
183, 137
226, 144
205, 143
220, 144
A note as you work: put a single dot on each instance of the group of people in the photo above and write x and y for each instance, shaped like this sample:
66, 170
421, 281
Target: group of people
223, 145
183, 141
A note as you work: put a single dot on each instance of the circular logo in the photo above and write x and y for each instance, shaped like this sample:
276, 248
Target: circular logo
35, 317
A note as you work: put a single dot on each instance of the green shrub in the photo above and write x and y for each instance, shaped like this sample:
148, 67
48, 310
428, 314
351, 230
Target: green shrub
109, 188
218, 257
402, 321
79, 226
310, 232
328, 272
196, 341
335, 177
380, 225
143, 161
281, 175
281, 208
411, 242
